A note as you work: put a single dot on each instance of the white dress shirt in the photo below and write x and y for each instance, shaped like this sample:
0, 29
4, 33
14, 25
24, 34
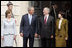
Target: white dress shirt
30, 18
60, 21
46, 17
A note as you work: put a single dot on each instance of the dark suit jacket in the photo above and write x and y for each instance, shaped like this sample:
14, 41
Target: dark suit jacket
46, 30
26, 28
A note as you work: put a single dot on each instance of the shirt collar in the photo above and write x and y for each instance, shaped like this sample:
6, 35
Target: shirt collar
46, 16
29, 14
61, 19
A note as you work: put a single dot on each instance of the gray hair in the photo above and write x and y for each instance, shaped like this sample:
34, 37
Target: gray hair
48, 9
29, 8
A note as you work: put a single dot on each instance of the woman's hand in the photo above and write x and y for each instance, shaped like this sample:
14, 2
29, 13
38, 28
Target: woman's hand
36, 35
66, 38
21, 34
2, 37
51, 36
14, 37
15, 20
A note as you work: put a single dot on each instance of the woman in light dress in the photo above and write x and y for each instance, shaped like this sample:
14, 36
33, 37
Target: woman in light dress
8, 32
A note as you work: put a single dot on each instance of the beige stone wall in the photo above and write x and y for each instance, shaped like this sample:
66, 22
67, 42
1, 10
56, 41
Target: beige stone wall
19, 9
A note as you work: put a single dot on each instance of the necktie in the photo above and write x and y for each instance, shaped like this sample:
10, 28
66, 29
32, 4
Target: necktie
45, 20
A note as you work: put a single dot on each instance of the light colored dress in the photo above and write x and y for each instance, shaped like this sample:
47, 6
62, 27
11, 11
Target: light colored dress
8, 31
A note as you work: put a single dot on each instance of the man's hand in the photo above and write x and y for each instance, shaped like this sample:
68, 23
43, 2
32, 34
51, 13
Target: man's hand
66, 38
51, 36
36, 35
39, 36
2, 37
21, 34
15, 20
14, 37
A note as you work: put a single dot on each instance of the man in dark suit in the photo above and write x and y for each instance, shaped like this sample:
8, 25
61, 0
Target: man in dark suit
46, 28
28, 27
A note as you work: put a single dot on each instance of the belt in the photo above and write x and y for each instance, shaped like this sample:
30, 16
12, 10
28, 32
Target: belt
60, 35
59, 29
9, 34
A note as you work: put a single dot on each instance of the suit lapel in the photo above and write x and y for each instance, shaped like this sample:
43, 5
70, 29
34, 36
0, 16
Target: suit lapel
32, 19
27, 18
62, 23
43, 19
57, 23
48, 20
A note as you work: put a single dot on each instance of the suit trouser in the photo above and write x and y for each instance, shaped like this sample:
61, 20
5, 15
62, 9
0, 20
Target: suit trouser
45, 42
53, 42
31, 41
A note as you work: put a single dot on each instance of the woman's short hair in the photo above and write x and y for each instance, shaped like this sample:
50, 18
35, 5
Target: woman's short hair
9, 3
7, 12
62, 13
